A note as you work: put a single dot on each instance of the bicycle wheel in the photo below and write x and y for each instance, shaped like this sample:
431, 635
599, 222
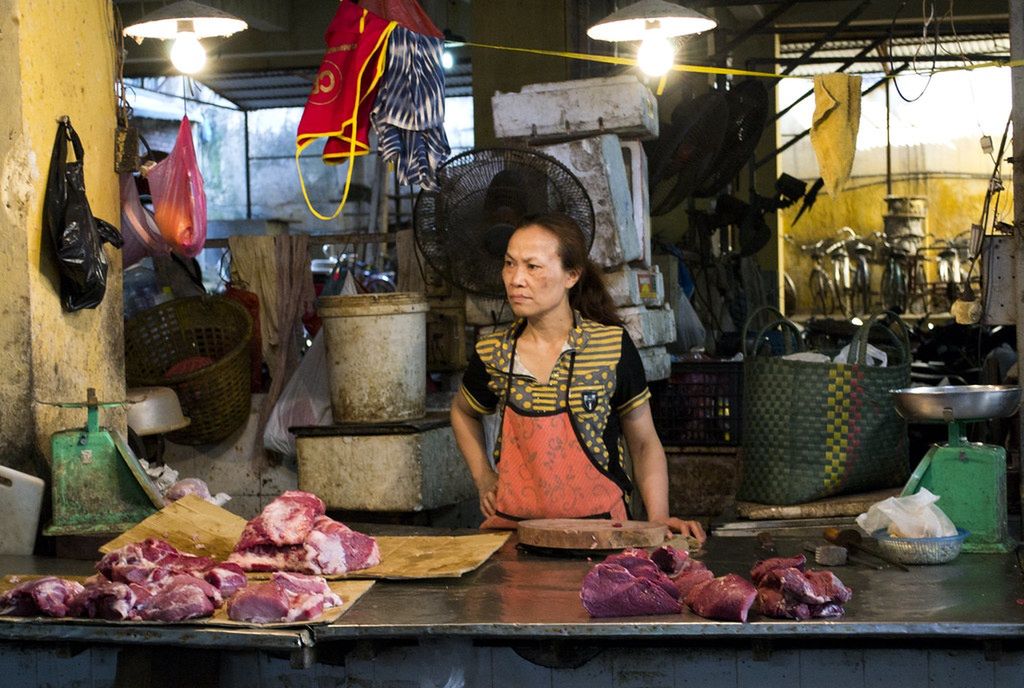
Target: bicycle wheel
379, 285
822, 293
861, 292
789, 295
894, 290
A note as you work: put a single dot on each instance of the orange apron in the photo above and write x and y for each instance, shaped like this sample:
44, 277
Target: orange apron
543, 471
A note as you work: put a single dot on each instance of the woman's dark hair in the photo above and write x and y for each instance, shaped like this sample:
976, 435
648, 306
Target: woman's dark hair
589, 295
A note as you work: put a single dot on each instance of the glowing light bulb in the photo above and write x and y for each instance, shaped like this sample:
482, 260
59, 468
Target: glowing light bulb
447, 60
656, 55
187, 53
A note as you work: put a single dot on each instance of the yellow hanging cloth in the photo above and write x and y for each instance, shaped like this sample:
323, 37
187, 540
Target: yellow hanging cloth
834, 127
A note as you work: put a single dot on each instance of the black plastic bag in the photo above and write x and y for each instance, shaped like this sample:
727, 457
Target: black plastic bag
76, 235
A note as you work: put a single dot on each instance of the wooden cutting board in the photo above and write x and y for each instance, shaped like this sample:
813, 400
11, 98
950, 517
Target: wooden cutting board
588, 533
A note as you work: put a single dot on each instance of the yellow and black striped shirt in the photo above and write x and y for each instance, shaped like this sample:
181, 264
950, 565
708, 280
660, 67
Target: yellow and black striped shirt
607, 381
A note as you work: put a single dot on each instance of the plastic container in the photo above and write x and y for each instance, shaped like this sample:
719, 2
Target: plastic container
21, 498
700, 405
935, 550
376, 356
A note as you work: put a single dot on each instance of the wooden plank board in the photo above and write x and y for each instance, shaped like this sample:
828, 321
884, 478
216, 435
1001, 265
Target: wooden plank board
844, 505
195, 526
586, 533
191, 524
349, 591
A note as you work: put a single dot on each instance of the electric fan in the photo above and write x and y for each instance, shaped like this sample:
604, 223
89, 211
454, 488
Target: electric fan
463, 228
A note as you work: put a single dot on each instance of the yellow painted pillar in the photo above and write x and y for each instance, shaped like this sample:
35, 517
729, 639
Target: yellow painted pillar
56, 58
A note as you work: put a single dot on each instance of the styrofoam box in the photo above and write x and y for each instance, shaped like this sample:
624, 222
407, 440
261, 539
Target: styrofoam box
657, 363
403, 472
636, 287
598, 163
649, 326
573, 109
636, 168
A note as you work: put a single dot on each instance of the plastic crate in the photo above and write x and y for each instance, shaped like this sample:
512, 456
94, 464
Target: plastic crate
701, 405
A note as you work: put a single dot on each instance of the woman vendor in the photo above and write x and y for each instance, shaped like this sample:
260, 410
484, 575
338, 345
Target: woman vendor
568, 385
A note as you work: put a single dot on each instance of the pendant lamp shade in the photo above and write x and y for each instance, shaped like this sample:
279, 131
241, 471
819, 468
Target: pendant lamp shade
637, 21
204, 22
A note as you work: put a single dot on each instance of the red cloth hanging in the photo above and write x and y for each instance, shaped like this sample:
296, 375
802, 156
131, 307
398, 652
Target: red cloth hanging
344, 92
251, 302
408, 13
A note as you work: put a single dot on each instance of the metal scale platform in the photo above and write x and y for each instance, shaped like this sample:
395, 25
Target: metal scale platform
969, 477
98, 484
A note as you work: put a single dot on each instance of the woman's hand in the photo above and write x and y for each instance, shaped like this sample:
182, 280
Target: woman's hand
487, 488
688, 528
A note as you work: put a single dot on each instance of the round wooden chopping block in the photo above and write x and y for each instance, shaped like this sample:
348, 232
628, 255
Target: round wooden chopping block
588, 533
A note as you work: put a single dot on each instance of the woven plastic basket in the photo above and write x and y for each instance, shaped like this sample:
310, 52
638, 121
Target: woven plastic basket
183, 334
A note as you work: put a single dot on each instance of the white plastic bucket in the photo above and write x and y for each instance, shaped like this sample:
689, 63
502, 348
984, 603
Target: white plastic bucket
376, 356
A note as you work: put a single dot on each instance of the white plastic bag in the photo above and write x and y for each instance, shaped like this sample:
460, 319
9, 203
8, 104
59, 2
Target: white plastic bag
913, 516
305, 400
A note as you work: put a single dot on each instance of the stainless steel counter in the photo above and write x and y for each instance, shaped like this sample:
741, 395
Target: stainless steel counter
525, 595
522, 595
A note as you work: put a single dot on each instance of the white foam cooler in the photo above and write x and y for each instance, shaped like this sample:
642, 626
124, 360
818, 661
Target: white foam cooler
388, 467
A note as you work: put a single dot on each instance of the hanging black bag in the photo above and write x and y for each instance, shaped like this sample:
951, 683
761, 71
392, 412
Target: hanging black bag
76, 235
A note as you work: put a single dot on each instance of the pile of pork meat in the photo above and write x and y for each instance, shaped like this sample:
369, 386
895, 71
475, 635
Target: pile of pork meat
635, 583
153, 581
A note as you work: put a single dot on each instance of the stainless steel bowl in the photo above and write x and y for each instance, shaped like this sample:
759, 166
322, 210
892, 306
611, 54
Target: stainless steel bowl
964, 402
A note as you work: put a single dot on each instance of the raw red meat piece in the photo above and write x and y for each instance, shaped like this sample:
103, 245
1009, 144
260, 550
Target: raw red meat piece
180, 597
761, 568
149, 561
670, 560
270, 558
226, 577
333, 547
287, 597
687, 580
793, 584
771, 602
46, 596
637, 562
795, 594
261, 603
828, 586
727, 598
612, 590
109, 600
285, 521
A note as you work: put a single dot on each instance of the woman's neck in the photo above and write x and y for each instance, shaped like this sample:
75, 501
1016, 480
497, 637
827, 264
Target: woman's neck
552, 327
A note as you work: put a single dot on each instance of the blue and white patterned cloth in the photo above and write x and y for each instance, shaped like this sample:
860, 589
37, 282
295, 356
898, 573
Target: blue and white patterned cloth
409, 113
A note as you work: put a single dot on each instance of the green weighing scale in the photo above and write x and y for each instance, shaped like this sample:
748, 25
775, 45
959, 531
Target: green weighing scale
968, 477
99, 486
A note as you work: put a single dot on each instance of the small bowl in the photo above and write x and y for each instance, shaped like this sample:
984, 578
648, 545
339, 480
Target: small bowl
933, 550
154, 411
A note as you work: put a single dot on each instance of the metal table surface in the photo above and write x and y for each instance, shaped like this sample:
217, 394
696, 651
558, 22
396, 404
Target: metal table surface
94, 632
522, 595
518, 594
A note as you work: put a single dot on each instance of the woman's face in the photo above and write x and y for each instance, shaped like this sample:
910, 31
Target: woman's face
535, 281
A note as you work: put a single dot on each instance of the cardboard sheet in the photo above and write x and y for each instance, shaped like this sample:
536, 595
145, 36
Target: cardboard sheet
195, 526
348, 590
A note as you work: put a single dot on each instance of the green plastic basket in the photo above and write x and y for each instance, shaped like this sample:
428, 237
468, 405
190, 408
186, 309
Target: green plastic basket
216, 397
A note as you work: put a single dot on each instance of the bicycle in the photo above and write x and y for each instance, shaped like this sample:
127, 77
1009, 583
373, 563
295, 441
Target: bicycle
861, 285
823, 292
903, 280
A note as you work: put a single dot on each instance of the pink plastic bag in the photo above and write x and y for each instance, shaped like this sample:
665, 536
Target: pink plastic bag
179, 200
141, 235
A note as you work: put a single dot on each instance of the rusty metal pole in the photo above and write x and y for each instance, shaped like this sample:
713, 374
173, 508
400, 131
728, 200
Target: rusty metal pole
1017, 115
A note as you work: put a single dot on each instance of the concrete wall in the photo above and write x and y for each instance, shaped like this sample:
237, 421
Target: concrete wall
56, 58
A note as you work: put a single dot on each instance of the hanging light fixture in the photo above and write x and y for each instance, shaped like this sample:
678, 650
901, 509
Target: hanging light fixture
654, 23
185, 23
